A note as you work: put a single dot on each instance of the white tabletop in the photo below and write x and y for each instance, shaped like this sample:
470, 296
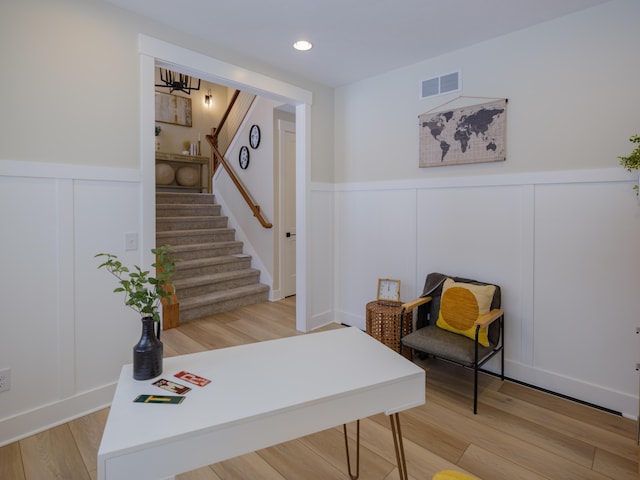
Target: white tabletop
260, 394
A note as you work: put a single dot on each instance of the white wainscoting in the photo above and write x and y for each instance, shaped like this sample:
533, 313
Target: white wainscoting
321, 253
562, 245
64, 335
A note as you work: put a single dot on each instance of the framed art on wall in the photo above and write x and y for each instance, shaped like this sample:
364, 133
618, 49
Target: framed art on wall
471, 134
173, 109
254, 136
243, 157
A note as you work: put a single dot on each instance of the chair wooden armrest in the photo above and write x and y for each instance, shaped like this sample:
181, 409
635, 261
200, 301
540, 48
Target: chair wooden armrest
408, 306
489, 317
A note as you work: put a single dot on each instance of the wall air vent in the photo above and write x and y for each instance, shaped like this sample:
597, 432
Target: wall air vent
441, 85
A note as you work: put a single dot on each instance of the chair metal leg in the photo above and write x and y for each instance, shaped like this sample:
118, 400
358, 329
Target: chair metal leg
346, 444
475, 388
399, 447
638, 417
475, 375
502, 349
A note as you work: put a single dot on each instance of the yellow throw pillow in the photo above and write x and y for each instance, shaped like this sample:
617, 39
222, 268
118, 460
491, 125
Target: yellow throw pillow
460, 306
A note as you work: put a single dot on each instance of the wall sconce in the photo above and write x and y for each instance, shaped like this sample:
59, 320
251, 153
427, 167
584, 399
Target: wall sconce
208, 99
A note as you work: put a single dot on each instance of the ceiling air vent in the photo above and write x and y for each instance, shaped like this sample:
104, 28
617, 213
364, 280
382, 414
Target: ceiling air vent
441, 85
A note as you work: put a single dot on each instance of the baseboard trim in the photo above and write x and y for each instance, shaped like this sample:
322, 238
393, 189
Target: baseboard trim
556, 394
51, 415
540, 389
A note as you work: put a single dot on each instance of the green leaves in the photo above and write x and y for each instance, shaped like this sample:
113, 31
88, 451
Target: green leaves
632, 162
143, 292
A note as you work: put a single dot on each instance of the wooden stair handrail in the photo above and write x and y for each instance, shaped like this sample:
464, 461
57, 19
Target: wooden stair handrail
215, 131
236, 181
228, 111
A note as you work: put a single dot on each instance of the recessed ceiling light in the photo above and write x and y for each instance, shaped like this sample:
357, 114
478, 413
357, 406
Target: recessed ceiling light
302, 45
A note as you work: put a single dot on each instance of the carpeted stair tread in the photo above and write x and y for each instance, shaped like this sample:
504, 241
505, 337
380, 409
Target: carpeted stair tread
178, 209
204, 284
187, 264
184, 198
199, 231
211, 265
192, 251
191, 218
231, 293
191, 223
181, 237
203, 305
178, 249
214, 277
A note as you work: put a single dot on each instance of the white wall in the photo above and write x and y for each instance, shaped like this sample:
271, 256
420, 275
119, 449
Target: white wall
557, 225
572, 90
258, 178
76, 100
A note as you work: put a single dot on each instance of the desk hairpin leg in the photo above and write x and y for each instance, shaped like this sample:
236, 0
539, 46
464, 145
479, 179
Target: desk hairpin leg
397, 443
346, 444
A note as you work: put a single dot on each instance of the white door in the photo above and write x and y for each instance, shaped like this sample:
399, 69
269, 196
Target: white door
288, 231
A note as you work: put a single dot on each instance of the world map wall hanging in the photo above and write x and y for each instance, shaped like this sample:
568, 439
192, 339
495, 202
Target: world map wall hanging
471, 134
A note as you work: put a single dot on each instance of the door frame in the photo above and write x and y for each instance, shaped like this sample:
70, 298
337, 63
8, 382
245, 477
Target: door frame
153, 51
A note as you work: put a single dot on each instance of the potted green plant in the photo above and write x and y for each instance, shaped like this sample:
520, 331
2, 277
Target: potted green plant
632, 162
144, 293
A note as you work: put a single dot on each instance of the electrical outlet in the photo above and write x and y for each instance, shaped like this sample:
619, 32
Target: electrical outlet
5, 380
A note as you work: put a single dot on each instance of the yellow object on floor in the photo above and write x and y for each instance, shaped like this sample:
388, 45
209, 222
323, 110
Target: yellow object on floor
451, 475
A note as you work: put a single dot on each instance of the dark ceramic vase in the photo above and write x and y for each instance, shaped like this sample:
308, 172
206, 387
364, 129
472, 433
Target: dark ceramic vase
147, 353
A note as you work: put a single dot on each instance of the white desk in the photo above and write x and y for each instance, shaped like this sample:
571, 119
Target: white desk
260, 394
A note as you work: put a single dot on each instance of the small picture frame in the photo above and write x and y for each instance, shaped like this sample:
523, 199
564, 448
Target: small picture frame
388, 290
243, 157
254, 136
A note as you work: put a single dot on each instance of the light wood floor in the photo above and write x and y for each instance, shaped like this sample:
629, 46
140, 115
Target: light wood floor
519, 433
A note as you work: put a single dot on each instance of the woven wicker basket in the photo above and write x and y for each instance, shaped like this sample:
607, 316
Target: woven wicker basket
383, 324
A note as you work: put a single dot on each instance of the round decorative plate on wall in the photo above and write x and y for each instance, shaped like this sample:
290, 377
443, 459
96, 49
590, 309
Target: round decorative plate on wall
254, 136
243, 157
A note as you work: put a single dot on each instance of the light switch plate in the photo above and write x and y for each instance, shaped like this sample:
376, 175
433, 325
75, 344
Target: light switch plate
131, 241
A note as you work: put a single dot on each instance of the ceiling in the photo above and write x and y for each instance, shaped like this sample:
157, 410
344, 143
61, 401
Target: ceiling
353, 39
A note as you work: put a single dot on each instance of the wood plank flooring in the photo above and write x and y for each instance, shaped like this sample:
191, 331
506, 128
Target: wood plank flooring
519, 433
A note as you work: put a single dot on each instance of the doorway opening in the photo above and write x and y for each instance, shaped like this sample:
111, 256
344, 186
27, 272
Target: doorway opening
154, 53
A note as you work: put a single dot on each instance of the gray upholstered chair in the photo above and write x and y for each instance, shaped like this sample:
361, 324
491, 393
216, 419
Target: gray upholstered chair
459, 320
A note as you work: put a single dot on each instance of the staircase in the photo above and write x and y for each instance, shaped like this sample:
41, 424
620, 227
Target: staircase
213, 275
